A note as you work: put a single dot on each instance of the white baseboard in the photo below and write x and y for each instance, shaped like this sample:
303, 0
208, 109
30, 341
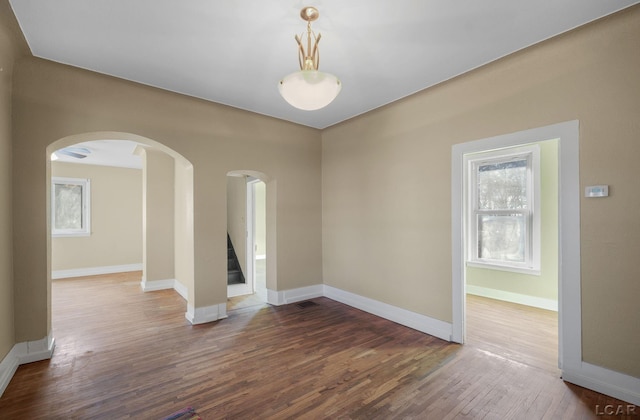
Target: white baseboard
94, 271
206, 314
234, 290
536, 302
153, 285
8, 367
604, 381
284, 297
181, 289
401, 316
22, 353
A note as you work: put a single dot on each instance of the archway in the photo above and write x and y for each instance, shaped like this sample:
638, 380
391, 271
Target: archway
177, 171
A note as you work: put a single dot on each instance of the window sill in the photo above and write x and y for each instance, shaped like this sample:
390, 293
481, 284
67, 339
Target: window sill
70, 235
489, 266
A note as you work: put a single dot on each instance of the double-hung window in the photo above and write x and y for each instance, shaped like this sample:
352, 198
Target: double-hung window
70, 207
503, 209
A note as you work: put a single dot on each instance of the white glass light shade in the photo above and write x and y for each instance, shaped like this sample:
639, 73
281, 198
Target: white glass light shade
309, 89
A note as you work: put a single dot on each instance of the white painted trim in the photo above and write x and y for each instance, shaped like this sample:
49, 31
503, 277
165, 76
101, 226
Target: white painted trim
250, 239
206, 313
531, 154
22, 353
153, 285
8, 367
94, 271
536, 302
401, 316
605, 381
34, 351
284, 297
569, 276
241, 289
181, 289
569, 304
85, 230
569, 214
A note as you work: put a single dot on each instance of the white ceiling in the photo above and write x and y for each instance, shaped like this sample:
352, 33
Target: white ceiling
235, 52
102, 152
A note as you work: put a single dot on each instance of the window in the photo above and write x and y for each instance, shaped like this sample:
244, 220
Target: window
503, 203
70, 207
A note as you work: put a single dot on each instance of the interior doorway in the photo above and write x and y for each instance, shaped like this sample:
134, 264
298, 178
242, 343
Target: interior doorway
569, 306
246, 230
511, 241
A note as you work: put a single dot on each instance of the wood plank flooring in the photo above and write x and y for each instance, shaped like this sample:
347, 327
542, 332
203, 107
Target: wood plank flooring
122, 354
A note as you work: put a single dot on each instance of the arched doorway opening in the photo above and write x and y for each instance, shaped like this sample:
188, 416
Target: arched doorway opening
151, 232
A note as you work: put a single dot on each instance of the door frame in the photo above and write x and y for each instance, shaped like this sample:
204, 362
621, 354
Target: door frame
569, 304
251, 232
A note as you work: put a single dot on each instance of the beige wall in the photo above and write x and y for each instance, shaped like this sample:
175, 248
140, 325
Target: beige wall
546, 284
158, 216
386, 216
53, 101
387, 179
183, 227
116, 219
8, 54
237, 217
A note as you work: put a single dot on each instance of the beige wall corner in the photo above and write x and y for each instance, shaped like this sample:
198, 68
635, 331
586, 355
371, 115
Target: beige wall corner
387, 187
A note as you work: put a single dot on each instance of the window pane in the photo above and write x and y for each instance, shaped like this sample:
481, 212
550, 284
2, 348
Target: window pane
502, 185
501, 237
68, 201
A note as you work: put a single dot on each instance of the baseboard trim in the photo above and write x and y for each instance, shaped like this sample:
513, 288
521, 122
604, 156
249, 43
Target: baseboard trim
181, 289
234, 290
206, 313
604, 381
284, 297
94, 271
398, 315
536, 302
153, 285
22, 353
8, 367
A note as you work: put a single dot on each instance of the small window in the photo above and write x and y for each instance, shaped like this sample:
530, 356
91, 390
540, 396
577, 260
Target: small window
70, 207
503, 216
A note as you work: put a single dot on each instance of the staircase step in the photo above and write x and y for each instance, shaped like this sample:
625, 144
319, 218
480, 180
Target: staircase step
235, 277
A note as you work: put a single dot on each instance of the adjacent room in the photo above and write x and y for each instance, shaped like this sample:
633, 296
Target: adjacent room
199, 217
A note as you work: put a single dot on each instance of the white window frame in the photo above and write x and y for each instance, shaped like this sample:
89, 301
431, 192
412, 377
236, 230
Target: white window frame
86, 207
531, 153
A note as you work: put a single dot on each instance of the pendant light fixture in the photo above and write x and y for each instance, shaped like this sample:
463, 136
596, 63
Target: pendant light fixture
309, 89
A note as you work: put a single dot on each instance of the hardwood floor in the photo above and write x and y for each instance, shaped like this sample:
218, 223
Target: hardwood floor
122, 353
520, 333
